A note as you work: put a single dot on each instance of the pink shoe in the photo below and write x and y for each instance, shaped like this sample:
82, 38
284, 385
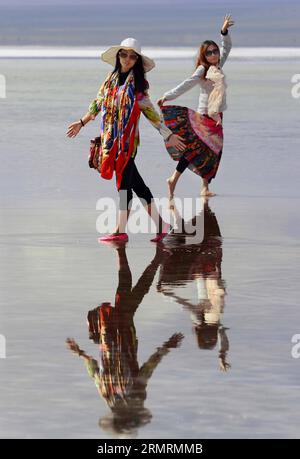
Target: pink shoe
160, 236
121, 237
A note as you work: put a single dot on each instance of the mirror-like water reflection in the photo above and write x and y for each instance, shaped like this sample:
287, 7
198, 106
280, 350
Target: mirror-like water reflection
120, 380
199, 264
53, 272
54, 276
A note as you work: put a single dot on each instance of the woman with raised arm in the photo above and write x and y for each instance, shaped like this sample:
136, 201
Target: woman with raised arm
202, 130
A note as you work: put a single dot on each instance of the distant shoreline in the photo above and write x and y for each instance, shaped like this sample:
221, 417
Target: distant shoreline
42, 52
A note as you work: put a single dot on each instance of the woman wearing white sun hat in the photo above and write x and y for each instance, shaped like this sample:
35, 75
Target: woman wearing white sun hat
120, 100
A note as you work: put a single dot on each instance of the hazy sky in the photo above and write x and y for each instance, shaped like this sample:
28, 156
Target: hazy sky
155, 22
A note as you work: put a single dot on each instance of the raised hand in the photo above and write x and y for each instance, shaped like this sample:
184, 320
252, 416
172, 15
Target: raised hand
228, 22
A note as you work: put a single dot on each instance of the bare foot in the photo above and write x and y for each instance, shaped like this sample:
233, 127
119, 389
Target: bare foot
171, 187
206, 192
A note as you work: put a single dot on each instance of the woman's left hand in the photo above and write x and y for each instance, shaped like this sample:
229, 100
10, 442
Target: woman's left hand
228, 22
160, 102
177, 142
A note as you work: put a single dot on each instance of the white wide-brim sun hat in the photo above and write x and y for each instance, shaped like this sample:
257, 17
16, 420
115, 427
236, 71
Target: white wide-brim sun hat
110, 54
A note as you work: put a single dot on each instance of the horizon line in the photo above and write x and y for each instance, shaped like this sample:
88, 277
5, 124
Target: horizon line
161, 52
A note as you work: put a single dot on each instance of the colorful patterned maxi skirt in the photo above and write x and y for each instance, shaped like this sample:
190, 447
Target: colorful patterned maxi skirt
203, 139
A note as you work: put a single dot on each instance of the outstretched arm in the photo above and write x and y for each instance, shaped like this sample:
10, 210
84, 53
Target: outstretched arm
145, 281
157, 122
193, 80
95, 105
90, 363
94, 109
223, 348
184, 302
152, 115
226, 43
183, 87
148, 367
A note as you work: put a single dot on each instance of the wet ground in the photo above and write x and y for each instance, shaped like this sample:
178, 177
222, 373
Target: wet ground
181, 340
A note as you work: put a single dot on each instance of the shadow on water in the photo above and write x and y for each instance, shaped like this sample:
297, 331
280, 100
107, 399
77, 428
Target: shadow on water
119, 378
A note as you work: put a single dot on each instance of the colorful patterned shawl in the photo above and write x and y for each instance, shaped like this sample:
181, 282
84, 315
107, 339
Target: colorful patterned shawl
118, 125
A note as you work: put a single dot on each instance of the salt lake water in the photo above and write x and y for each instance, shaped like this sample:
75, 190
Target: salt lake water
232, 300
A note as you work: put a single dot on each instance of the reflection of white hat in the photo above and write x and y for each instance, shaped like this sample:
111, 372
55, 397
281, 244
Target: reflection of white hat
110, 54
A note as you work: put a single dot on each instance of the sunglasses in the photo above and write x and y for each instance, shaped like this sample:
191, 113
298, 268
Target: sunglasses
214, 51
124, 55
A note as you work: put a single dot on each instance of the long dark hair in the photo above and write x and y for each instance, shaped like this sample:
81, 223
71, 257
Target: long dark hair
140, 82
201, 58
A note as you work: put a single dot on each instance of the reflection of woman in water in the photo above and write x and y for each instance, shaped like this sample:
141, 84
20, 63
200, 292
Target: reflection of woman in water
118, 377
200, 263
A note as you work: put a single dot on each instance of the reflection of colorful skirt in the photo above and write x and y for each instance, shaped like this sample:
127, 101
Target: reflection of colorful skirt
203, 139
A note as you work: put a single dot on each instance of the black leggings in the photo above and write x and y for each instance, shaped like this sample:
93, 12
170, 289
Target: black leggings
132, 181
182, 164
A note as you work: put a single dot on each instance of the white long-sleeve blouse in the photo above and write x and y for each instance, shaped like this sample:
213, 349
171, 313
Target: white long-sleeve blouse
206, 85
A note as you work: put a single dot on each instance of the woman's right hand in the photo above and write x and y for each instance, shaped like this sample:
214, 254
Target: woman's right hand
160, 102
74, 128
177, 142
